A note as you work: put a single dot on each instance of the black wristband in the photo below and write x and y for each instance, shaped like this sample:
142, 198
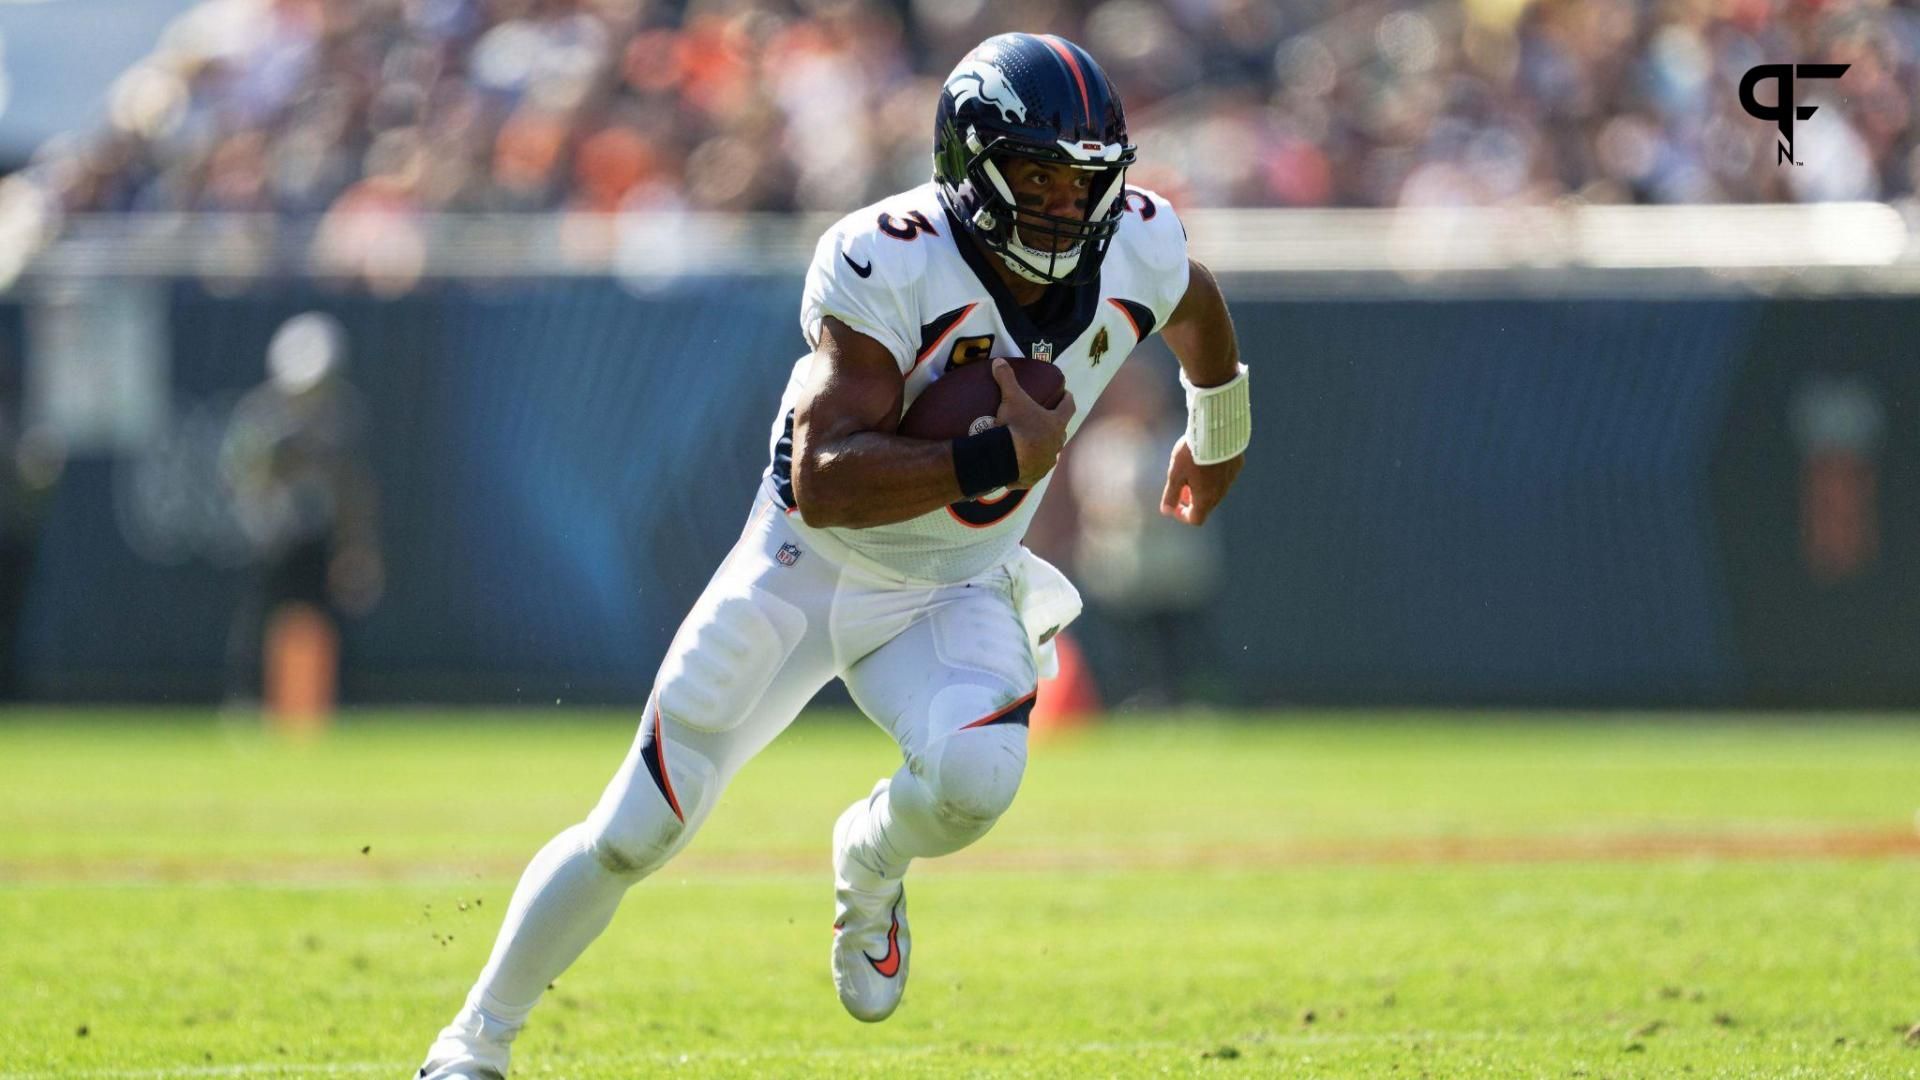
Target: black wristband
985, 461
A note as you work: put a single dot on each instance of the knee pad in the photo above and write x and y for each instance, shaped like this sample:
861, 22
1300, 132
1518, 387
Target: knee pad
635, 842
725, 656
649, 810
974, 773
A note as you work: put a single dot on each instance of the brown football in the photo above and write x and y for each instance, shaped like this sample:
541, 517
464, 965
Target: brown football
962, 396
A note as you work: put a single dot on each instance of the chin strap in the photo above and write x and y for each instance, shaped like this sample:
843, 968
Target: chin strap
1219, 419
1063, 263
1026, 273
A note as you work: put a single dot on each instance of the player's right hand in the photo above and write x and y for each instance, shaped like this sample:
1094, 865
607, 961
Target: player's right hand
1038, 432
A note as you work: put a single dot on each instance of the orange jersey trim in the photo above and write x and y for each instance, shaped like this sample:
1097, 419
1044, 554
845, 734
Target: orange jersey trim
935, 347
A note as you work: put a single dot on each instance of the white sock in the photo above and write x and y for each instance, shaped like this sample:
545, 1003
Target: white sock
901, 825
564, 900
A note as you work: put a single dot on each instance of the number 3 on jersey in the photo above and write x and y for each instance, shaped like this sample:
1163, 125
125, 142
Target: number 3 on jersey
907, 228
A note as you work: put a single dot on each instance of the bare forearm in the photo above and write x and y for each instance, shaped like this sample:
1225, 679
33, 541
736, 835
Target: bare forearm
869, 478
1201, 332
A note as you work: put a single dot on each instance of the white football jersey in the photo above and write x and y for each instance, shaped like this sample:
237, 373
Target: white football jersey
903, 273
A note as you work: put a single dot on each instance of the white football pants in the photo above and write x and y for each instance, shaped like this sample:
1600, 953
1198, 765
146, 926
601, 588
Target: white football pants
948, 670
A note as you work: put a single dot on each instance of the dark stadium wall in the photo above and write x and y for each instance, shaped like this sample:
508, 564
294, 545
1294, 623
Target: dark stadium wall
1623, 502
1816, 490
1485, 501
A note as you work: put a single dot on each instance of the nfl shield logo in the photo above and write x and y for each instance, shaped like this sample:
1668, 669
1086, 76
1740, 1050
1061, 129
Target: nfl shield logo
788, 554
1043, 351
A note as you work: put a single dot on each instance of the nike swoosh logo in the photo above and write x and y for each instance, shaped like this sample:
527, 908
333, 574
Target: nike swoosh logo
889, 965
863, 271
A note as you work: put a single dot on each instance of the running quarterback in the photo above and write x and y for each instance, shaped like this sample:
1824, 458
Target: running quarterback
894, 563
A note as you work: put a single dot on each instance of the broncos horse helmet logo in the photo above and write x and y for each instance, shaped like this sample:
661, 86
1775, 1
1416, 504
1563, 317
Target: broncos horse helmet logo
978, 79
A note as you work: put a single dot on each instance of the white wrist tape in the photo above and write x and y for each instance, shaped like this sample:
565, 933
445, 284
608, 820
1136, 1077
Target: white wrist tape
1219, 419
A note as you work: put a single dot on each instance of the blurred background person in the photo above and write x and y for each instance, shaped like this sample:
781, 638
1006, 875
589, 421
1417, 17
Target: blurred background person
306, 501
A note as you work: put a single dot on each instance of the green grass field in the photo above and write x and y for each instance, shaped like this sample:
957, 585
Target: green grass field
1318, 895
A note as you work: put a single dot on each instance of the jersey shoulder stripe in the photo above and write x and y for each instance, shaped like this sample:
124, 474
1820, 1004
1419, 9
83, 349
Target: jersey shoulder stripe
1140, 315
935, 332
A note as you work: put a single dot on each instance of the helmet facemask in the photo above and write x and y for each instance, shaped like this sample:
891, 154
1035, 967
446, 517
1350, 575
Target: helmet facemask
1047, 249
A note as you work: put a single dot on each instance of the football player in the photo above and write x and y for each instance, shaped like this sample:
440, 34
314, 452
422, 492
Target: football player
893, 563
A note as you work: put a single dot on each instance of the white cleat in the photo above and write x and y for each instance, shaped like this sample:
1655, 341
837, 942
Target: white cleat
870, 940
470, 1048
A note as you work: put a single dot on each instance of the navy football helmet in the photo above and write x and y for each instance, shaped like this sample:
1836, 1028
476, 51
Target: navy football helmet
1041, 98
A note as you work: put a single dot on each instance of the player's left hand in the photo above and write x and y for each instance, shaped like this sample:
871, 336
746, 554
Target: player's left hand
1194, 490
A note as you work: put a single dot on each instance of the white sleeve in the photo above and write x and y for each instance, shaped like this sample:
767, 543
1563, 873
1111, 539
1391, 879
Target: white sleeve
1162, 247
869, 303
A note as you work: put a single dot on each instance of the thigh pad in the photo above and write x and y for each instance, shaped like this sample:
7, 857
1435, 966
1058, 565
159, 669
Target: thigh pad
728, 652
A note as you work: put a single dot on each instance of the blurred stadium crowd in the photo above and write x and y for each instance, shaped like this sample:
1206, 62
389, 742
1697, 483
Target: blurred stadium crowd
327, 107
